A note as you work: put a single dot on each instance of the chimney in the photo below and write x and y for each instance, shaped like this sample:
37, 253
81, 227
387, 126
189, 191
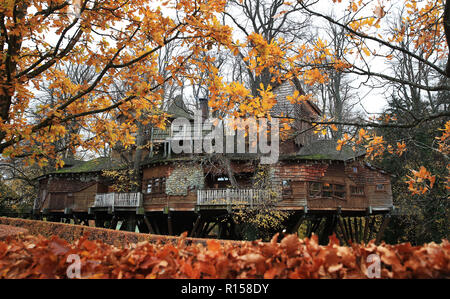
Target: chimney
204, 107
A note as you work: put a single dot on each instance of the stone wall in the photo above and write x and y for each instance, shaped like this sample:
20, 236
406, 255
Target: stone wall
183, 178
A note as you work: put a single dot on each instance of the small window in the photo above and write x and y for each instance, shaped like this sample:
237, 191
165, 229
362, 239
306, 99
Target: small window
149, 186
163, 185
355, 169
357, 190
327, 190
223, 179
156, 185
286, 187
380, 187
339, 191
315, 189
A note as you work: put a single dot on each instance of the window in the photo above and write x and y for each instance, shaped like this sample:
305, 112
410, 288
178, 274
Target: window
149, 187
286, 187
163, 185
327, 190
355, 169
156, 185
339, 191
315, 189
357, 190
222, 179
380, 187
318, 190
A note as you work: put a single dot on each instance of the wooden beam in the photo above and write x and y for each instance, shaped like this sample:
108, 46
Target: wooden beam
372, 226
131, 223
113, 223
297, 225
343, 231
211, 228
350, 231
384, 224
148, 224
366, 229
169, 224
196, 225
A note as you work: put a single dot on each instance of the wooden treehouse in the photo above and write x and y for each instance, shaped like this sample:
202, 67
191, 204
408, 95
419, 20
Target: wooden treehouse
329, 191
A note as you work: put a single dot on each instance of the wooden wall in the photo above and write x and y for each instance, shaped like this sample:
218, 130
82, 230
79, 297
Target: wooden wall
299, 174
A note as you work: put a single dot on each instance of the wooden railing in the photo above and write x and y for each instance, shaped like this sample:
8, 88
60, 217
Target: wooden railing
247, 197
118, 200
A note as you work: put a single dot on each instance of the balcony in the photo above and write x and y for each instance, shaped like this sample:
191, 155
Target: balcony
232, 197
118, 200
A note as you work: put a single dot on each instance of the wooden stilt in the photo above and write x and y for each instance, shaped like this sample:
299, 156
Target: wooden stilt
349, 229
169, 224
99, 221
211, 228
366, 229
297, 225
360, 230
148, 224
384, 224
355, 224
131, 223
113, 223
156, 226
327, 230
343, 231
372, 227
196, 225
204, 230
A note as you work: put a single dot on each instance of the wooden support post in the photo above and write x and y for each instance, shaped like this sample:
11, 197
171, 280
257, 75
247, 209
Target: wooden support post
360, 230
317, 225
99, 221
148, 224
113, 223
366, 229
327, 230
131, 223
308, 228
75, 220
297, 225
169, 224
123, 225
349, 229
156, 226
234, 230
196, 225
343, 231
355, 224
372, 227
211, 228
222, 230
204, 229
384, 224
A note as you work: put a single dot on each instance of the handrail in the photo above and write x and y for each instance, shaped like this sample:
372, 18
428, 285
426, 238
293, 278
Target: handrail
232, 196
118, 200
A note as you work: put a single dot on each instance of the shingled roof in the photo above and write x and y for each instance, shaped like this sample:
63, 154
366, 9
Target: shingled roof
95, 165
326, 150
284, 107
177, 108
